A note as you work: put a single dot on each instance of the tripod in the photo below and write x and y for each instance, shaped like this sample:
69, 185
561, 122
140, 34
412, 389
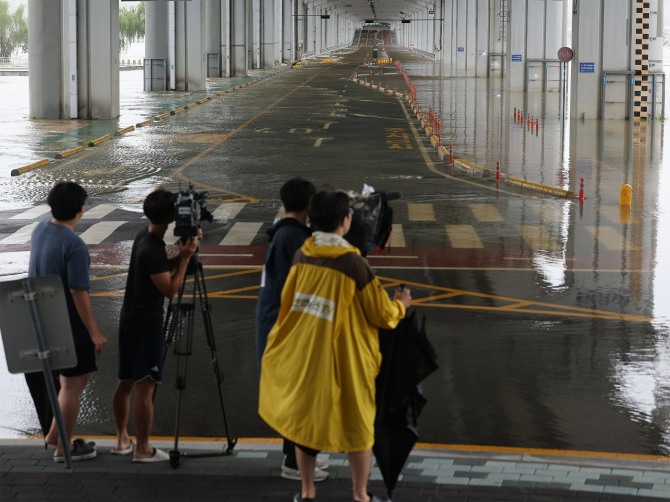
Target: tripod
178, 329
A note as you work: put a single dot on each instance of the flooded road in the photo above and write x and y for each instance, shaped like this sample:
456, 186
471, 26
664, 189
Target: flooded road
549, 315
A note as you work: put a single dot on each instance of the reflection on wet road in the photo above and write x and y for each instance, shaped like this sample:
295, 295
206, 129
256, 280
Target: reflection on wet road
550, 315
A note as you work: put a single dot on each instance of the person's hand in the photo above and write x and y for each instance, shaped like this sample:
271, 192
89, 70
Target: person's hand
187, 248
403, 294
99, 340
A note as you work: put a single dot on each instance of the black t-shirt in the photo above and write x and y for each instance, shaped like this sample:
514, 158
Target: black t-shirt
143, 303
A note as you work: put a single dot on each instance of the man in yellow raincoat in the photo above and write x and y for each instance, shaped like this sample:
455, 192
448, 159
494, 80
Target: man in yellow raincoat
322, 356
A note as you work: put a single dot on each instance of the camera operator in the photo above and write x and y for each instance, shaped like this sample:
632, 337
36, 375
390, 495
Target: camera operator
152, 277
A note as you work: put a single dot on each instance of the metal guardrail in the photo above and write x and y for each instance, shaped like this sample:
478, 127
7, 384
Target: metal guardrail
10, 62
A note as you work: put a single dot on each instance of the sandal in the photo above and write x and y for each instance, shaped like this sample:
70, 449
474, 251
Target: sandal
125, 451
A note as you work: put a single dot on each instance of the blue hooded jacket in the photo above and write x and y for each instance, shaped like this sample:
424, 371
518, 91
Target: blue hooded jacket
285, 237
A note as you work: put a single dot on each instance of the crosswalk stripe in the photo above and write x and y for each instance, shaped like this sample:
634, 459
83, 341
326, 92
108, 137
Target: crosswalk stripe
32, 213
486, 213
228, 211
614, 213
21, 236
550, 214
536, 237
611, 239
463, 237
98, 232
420, 212
242, 234
99, 211
397, 236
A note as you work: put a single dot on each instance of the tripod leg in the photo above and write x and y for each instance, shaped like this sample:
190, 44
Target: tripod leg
183, 349
205, 309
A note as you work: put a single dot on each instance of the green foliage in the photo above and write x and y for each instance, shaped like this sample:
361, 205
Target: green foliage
131, 24
13, 29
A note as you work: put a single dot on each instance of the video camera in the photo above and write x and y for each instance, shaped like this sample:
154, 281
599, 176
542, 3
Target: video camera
189, 209
372, 219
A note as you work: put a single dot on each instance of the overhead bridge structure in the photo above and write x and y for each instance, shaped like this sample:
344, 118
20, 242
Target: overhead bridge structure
606, 54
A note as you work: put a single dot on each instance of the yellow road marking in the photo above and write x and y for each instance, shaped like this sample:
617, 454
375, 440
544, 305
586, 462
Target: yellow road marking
501, 304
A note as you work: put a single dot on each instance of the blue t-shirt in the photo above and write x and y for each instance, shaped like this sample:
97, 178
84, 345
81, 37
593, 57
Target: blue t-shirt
57, 250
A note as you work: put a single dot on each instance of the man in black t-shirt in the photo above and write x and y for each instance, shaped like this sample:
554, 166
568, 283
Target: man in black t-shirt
152, 277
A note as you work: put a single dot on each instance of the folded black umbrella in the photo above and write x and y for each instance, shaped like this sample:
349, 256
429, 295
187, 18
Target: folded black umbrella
407, 359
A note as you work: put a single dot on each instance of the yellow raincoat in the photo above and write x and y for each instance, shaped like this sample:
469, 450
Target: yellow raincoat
318, 371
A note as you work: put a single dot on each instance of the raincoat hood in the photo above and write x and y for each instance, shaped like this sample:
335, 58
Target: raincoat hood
325, 245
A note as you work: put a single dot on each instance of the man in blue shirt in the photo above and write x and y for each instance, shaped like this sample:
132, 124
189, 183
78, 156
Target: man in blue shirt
56, 250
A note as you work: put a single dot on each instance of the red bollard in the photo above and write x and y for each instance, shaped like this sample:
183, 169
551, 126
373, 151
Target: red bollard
498, 170
537, 127
451, 154
581, 188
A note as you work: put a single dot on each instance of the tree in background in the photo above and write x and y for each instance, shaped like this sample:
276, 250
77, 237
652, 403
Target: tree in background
14, 30
131, 24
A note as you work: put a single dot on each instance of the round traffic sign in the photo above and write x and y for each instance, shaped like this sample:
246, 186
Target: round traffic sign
565, 54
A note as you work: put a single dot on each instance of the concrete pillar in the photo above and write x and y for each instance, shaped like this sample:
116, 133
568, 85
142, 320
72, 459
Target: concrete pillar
195, 39
586, 67
73, 59
238, 34
98, 59
44, 59
300, 27
156, 37
482, 43
189, 46
516, 45
225, 38
438, 29
254, 33
312, 40
268, 47
449, 29
462, 31
287, 31
212, 38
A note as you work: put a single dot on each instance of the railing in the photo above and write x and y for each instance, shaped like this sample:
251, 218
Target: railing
17, 61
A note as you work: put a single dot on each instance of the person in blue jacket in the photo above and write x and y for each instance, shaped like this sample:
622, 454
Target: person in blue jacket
285, 238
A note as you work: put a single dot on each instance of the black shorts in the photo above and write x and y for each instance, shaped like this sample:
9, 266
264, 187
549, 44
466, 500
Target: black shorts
141, 355
85, 360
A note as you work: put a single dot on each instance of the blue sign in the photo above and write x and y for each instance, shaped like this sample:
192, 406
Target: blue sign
461, 49
517, 57
587, 67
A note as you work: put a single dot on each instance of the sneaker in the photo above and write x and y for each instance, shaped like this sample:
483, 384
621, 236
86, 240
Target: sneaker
288, 473
81, 451
298, 498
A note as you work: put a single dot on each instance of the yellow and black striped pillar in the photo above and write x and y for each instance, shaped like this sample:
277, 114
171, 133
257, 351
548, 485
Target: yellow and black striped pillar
641, 91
